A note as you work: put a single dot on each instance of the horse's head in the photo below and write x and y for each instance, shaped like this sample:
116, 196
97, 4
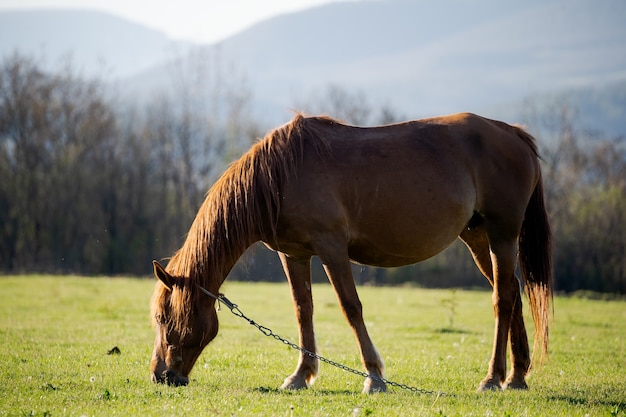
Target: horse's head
183, 328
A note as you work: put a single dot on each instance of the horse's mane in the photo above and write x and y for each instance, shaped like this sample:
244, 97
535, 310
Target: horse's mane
240, 208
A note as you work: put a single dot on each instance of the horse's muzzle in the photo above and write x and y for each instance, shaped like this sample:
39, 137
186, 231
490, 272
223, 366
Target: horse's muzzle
170, 378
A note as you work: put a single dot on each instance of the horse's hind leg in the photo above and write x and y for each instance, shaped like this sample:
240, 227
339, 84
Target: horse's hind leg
520, 352
337, 267
299, 275
503, 254
478, 244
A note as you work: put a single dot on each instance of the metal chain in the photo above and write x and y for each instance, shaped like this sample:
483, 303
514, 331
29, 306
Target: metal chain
221, 298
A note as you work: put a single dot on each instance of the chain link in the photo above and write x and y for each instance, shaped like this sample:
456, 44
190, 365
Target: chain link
269, 333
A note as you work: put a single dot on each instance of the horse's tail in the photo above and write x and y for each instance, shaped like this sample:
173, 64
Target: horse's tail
535, 257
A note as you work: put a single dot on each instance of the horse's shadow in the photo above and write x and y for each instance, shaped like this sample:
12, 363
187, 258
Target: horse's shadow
326, 392
452, 330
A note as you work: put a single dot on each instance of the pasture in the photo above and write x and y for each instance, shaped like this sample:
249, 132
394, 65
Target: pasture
56, 334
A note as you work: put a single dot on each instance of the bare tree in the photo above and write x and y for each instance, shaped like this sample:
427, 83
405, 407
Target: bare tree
585, 179
349, 106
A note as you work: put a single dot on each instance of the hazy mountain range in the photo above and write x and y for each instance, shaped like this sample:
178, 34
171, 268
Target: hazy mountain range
421, 57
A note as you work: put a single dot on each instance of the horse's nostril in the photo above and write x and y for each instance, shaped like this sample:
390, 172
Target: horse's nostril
172, 378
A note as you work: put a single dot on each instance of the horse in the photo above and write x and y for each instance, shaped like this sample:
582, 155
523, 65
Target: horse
385, 196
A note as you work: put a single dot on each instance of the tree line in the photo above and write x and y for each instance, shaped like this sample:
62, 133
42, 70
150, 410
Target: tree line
94, 184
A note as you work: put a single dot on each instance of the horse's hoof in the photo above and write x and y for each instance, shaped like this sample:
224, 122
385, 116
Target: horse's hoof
489, 385
294, 383
517, 385
373, 386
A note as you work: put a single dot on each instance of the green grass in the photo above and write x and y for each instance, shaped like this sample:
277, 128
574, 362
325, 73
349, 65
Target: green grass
55, 333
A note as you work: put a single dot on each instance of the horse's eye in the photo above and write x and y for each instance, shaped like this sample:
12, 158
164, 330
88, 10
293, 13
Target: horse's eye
171, 337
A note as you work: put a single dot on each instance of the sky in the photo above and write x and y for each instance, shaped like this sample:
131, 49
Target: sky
201, 21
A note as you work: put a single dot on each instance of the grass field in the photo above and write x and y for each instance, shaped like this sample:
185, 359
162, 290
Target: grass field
56, 332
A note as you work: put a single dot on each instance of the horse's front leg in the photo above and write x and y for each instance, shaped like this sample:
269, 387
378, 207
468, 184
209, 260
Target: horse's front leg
337, 266
299, 275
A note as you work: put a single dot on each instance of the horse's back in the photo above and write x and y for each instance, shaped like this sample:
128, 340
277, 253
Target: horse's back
448, 160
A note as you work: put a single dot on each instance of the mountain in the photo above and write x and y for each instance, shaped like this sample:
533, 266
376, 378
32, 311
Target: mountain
95, 43
436, 57
423, 57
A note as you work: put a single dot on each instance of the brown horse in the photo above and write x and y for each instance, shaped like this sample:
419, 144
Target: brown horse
385, 196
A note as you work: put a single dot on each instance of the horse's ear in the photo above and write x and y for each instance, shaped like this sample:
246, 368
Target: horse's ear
162, 275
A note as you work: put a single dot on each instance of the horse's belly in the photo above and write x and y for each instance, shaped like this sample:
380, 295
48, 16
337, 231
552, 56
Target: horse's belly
392, 248
366, 256
409, 231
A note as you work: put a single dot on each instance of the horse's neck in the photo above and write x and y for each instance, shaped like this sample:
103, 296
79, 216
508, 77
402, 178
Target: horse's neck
228, 223
211, 261
222, 269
